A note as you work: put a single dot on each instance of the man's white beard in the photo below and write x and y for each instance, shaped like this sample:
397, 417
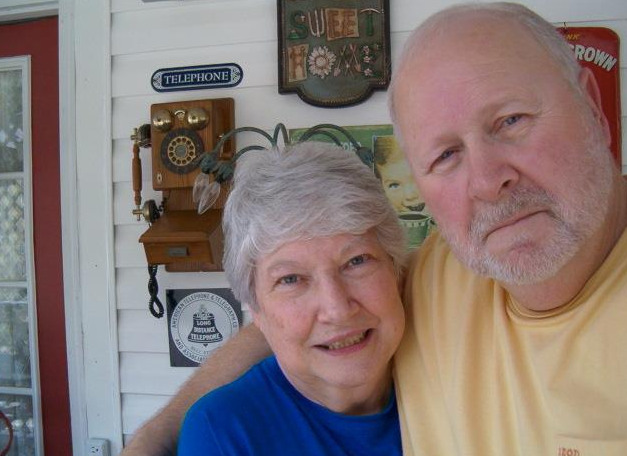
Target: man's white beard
574, 221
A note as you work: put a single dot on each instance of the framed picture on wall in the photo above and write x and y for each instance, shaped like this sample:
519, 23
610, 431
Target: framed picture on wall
333, 52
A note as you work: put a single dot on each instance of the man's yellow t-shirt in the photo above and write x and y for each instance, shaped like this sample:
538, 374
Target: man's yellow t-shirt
476, 374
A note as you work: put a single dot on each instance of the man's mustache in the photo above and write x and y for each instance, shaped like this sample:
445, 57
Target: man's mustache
520, 201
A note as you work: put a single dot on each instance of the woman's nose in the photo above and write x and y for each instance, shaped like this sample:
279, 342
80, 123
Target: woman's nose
336, 303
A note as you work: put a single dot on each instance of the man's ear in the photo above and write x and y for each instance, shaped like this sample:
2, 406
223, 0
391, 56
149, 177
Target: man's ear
592, 95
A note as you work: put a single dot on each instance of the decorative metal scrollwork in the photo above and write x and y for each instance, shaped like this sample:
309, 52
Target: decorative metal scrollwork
221, 170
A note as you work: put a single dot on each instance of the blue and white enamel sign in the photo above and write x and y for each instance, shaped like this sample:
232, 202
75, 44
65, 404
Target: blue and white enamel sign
197, 77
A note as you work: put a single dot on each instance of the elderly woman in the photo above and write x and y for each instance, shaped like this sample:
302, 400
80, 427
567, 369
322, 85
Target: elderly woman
315, 249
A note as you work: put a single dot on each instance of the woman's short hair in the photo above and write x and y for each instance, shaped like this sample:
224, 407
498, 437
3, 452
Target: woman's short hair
303, 191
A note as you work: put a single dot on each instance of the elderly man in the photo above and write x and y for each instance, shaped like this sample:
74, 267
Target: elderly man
510, 149
516, 311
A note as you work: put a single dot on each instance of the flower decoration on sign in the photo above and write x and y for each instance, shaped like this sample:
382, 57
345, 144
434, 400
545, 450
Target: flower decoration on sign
321, 60
369, 59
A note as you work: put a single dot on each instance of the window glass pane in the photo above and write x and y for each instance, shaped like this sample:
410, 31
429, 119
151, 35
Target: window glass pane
11, 128
19, 411
14, 340
12, 247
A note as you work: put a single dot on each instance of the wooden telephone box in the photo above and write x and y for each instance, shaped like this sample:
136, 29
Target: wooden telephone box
180, 132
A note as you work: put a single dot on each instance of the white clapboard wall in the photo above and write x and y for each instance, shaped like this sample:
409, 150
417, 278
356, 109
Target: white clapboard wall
148, 36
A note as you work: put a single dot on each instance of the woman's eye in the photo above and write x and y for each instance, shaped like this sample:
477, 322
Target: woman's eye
288, 279
356, 261
393, 185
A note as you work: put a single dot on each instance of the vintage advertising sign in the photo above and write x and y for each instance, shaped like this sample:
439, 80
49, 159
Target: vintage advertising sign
333, 52
196, 77
199, 321
597, 48
395, 175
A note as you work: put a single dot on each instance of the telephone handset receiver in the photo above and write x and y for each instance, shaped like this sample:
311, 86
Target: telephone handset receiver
179, 133
150, 212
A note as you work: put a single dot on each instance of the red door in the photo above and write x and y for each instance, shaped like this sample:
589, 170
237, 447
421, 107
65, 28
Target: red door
39, 40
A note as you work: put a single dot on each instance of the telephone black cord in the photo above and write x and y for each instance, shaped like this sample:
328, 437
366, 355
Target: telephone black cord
153, 289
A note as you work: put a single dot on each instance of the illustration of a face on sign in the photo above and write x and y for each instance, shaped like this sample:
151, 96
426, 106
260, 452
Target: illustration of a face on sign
398, 183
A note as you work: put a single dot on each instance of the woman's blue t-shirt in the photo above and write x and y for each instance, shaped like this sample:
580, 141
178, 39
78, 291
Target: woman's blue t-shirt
261, 413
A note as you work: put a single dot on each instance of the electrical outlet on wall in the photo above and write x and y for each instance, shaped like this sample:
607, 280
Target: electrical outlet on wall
97, 447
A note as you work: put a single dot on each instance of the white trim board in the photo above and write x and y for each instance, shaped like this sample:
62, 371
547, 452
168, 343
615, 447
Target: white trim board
70, 231
93, 221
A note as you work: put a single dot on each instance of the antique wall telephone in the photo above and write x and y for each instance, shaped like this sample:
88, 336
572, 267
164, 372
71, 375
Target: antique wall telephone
180, 237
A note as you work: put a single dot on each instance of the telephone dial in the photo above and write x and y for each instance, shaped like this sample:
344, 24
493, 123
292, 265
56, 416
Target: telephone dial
179, 237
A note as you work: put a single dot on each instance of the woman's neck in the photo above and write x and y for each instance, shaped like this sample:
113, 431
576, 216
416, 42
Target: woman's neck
360, 399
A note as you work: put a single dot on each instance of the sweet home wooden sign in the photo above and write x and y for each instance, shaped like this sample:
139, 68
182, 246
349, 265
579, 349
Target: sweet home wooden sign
333, 52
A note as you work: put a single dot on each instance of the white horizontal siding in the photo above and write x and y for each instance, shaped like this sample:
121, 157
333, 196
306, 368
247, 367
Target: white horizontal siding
150, 373
136, 407
185, 26
405, 14
140, 332
148, 36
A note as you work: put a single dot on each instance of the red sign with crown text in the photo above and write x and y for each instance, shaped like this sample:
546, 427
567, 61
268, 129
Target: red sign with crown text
597, 48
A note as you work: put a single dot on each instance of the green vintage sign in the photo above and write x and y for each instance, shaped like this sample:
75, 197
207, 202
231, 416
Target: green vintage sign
333, 52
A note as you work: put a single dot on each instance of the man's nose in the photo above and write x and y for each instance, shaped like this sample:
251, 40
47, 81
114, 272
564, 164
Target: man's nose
336, 303
491, 173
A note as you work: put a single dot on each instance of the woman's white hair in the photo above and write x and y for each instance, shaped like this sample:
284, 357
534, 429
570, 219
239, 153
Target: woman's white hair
439, 24
304, 191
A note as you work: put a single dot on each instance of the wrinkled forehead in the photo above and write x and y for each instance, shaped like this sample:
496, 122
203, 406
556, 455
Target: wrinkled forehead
469, 40
480, 53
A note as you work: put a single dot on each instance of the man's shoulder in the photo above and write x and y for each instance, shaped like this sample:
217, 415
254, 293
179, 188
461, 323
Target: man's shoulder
435, 256
437, 278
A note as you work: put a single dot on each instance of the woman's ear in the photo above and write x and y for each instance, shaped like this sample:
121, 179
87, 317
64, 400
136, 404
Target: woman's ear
592, 94
255, 313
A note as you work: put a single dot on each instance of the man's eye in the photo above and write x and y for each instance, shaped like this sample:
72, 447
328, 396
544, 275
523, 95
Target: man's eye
444, 156
288, 279
511, 120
